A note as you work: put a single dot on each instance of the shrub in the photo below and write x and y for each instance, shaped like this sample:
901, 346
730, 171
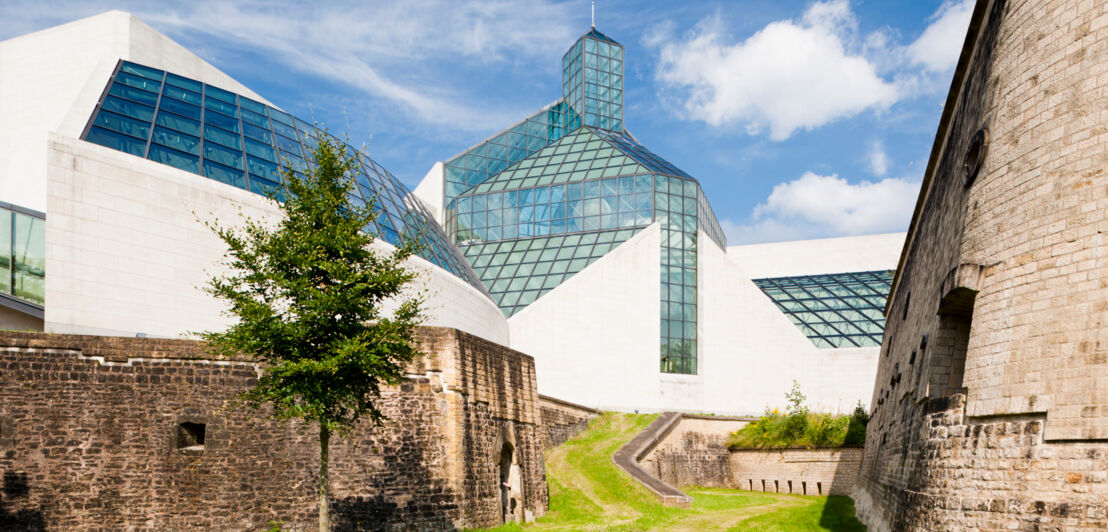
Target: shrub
856, 431
800, 428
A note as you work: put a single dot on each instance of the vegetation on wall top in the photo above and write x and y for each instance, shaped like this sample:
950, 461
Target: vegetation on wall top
797, 427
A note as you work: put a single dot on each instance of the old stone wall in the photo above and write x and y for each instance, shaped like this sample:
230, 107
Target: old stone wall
995, 325
562, 420
803, 471
694, 452
91, 439
995, 474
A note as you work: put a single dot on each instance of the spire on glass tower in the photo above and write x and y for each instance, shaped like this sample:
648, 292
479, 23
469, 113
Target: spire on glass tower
592, 82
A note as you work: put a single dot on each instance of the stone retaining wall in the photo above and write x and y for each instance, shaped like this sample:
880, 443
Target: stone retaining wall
91, 439
801, 471
562, 420
694, 452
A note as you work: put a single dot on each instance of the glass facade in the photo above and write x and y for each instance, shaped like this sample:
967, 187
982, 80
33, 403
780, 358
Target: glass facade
592, 82
490, 157
23, 256
532, 218
224, 136
834, 310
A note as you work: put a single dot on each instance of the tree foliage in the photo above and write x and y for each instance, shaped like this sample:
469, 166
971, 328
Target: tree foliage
308, 295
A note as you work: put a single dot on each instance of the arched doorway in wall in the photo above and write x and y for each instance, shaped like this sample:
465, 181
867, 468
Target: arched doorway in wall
507, 501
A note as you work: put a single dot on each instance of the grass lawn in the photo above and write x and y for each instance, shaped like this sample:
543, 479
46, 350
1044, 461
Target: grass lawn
588, 492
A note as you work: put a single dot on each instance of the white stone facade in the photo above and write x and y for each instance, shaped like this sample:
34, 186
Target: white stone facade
127, 251
595, 341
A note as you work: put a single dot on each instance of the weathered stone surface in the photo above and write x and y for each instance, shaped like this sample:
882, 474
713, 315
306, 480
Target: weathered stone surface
694, 452
90, 443
989, 410
562, 420
817, 471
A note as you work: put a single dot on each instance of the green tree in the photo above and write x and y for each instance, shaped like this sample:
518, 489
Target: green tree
307, 295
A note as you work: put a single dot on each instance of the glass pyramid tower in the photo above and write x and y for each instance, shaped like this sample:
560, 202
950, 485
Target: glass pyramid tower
538, 202
230, 138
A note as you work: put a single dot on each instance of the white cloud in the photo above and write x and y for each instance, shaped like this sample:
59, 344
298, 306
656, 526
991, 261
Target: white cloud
787, 76
878, 159
816, 206
378, 48
938, 47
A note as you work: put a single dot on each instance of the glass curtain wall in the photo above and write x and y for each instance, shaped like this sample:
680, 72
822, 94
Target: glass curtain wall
233, 139
530, 218
592, 82
23, 256
488, 158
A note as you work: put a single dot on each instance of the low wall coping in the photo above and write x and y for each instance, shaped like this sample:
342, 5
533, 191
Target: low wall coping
795, 448
567, 404
627, 458
719, 418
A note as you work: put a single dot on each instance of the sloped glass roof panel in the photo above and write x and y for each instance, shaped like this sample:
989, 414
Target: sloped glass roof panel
580, 151
503, 149
593, 33
520, 271
123, 120
628, 145
829, 308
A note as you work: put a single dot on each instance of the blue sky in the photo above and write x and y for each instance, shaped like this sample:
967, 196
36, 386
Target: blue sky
799, 119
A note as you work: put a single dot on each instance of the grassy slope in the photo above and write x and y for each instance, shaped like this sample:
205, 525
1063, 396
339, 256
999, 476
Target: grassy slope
588, 492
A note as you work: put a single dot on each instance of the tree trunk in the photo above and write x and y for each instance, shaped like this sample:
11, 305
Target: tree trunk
324, 501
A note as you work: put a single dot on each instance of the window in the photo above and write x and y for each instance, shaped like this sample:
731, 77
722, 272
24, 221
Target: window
190, 436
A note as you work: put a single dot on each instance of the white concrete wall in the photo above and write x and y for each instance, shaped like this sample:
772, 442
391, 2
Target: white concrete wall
843, 377
430, 191
595, 341
51, 80
750, 351
595, 336
127, 251
826, 255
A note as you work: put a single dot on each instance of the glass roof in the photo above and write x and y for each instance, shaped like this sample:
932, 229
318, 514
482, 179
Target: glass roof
834, 310
521, 271
230, 138
578, 156
508, 147
627, 144
600, 36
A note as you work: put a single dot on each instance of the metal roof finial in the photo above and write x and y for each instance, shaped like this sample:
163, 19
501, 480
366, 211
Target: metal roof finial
594, 15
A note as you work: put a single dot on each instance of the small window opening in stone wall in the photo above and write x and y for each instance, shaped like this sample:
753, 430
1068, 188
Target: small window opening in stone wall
819, 488
946, 365
190, 436
790, 486
907, 301
777, 486
804, 488
975, 156
763, 484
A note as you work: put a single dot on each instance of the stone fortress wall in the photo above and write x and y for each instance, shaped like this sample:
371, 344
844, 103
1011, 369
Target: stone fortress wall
95, 434
990, 409
562, 420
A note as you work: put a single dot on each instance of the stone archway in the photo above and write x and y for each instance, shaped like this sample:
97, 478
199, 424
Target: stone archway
508, 503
